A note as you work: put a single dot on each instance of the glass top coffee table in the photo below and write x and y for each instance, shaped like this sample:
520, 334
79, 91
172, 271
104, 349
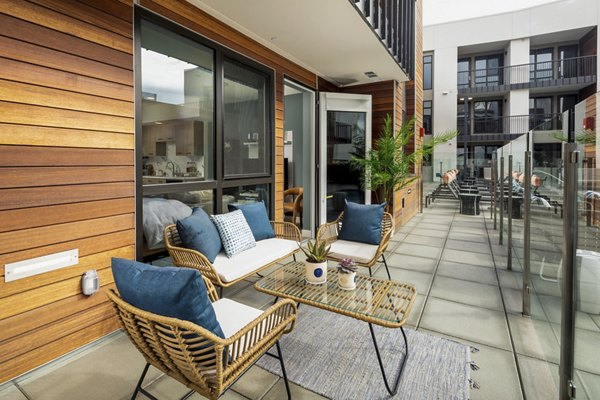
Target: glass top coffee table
376, 301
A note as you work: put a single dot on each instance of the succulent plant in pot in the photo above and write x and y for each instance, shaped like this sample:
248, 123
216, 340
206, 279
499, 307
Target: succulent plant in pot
316, 261
347, 274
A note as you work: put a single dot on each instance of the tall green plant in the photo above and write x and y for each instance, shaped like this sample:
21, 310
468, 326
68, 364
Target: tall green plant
386, 166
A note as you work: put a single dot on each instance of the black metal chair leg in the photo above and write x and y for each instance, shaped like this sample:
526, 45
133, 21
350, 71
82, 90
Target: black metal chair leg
386, 266
139, 389
402, 364
370, 273
285, 378
294, 257
220, 292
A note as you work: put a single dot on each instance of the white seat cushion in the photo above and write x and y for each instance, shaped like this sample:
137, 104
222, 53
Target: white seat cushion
233, 316
361, 252
265, 252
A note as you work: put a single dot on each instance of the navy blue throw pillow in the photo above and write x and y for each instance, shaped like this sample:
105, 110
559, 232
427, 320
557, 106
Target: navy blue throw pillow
257, 218
198, 232
168, 291
362, 223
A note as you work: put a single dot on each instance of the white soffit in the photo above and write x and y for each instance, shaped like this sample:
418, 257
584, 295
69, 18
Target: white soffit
329, 38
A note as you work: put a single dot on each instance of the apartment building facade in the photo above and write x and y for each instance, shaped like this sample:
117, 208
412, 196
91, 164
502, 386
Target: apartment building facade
494, 85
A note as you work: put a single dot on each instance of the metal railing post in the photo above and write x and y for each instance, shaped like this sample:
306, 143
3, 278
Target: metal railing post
526, 235
509, 213
569, 263
501, 199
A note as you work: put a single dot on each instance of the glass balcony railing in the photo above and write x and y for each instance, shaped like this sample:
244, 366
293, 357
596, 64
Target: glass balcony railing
558, 72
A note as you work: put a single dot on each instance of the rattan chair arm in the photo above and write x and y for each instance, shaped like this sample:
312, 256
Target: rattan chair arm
210, 289
328, 232
189, 258
286, 230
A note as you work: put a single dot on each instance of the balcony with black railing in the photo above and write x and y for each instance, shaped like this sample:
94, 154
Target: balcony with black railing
494, 128
562, 72
393, 21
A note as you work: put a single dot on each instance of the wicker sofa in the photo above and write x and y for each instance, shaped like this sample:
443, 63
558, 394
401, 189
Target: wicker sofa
224, 271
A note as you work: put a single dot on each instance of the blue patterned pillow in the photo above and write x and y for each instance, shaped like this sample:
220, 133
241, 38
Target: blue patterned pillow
234, 231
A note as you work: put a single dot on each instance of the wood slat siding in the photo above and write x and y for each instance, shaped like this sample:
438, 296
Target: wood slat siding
198, 21
413, 93
66, 169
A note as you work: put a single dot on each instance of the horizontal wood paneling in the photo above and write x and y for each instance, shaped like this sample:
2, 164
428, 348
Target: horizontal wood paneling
62, 156
25, 114
32, 94
47, 334
28, 135
55, 20
53, 176
42, 216
27, 52
91, 245
59, 347
66, 169
52, 195
50, 314
51, 39
43, 236
42, 76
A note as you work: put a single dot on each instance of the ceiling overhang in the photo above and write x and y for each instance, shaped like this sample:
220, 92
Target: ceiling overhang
329, 38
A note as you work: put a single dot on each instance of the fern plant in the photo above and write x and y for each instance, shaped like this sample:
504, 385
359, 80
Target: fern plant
386, 166
316, 252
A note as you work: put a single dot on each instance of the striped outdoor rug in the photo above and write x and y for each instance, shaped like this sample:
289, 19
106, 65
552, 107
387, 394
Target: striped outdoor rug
334, 356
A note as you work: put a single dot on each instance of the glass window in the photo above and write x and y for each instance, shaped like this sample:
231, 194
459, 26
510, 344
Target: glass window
427, 72
488, 71
541, 64
245, 123
427, 117
540, 113
177, 107
246, 194
487, 116
463, 72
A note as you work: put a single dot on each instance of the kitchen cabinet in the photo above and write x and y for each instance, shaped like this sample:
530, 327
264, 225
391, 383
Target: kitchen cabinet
188, 136
190, 139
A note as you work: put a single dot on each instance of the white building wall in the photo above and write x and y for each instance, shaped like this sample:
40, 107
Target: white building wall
444, 104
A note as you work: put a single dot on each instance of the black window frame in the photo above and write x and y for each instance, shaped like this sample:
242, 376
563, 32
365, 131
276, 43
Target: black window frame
428, 118
219, 182
427, 61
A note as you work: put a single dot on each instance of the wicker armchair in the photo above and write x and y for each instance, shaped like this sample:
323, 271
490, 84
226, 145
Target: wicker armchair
294, 207
197, 358
183, 257
329, 233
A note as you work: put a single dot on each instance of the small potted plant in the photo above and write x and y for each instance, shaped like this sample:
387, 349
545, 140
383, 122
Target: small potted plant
316, 261
347, 274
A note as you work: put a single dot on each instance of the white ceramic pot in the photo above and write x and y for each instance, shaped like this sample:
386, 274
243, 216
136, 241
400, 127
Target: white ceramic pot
315, 273
347, 281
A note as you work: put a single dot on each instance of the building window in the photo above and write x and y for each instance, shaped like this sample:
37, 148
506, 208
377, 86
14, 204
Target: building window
488, 71
541, 64
205, 121
427, 72
487, 116
540, 113
427, 117
246, 150
463, 76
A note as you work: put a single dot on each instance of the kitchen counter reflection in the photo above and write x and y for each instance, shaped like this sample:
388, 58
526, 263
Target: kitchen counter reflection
170, 179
